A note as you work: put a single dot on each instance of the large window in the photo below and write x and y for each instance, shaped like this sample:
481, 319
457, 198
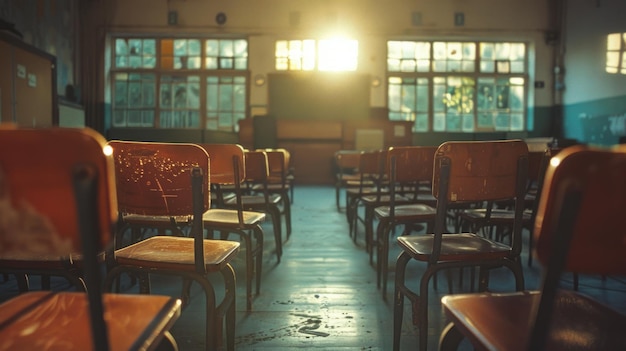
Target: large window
457, 86
616, 53
179, 83
321, 55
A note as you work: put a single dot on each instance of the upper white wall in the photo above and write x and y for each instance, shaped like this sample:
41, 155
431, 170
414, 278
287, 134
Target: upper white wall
588, 23
372, 22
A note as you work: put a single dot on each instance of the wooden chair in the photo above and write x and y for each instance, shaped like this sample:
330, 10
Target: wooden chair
257, 171
371, 183
227, 169
498, 216
171, 180
463, 172
346, 172
278, 181
57, 194
409, 167
579, 228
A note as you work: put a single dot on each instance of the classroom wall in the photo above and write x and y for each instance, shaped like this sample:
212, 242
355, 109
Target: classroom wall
594, 101
371, 22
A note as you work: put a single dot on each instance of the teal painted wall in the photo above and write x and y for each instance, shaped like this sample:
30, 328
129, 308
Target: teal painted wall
591, 122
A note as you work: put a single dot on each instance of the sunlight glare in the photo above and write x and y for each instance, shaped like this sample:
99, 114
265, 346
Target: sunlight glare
338, 54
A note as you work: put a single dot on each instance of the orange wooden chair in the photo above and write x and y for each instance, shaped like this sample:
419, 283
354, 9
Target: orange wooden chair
57, 193
498, 216
579, 228
227, 169
257, 172
463, 172
410, 167
171, 180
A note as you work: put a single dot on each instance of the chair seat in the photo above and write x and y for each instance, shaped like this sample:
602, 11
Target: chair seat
352, 178
356, 191
230, 218
152, 221
501, 321
255, 200
497, 215
454, 247
176, 253
60, 321
374, 200
271, 187
407, 212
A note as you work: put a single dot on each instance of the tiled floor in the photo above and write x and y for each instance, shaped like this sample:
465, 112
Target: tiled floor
323, 294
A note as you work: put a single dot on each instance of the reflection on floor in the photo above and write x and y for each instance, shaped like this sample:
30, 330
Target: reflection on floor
323, 294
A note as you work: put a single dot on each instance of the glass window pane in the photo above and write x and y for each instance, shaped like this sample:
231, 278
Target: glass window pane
121, 47
485, 120
212, 48
149, 46
119, 118
421, 122
194, 48
468, 123
227, 48
502, 122
439, 122
517, 122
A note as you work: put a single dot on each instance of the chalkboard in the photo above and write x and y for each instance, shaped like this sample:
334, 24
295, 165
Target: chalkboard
336, 96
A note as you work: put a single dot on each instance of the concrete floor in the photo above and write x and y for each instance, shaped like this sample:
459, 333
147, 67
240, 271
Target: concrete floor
323, 294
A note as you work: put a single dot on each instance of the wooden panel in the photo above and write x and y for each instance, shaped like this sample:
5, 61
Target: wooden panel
287, 129
313, 162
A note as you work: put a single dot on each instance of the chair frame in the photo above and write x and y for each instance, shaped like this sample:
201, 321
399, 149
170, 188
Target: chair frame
80, 178
409, 167
566, 238
208, 256
449, 187
246, 224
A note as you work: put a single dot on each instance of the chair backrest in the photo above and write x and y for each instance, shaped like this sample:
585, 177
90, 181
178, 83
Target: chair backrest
57, 196
590, 184
347, 161
278, 165
36, 188
372, 167
411, 164
480, 171
224, 158
257, 168
579, 223
153, 178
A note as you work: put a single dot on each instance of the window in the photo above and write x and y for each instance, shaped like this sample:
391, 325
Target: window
159, 82
323, 55
457, 86
616, 53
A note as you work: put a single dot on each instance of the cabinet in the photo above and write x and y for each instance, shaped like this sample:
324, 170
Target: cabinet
28, 95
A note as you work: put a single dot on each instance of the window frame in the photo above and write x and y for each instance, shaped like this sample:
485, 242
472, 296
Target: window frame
162, 69
429, 119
